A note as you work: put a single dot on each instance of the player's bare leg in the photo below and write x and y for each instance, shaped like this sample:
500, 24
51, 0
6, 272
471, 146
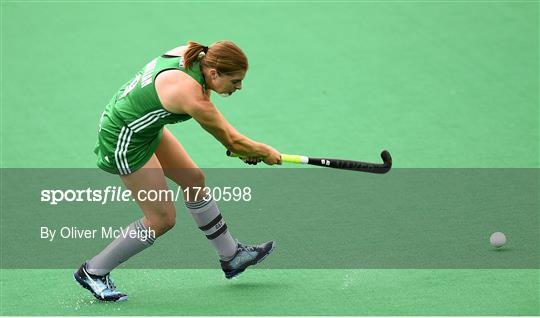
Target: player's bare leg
159, 217
178, 166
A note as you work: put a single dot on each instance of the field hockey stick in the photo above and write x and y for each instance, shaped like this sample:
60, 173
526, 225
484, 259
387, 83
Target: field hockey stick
338, 163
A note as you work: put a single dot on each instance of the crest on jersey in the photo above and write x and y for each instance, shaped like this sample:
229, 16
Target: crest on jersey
181, 62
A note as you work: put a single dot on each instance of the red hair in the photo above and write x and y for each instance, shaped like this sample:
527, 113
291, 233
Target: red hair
224, 56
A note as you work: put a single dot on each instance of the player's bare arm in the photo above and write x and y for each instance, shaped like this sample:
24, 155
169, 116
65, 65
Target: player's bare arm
181, 94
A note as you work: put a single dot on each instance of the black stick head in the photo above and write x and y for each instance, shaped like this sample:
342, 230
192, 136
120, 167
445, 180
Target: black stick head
385, 155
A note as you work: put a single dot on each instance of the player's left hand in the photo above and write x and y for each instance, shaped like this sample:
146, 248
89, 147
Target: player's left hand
251, 160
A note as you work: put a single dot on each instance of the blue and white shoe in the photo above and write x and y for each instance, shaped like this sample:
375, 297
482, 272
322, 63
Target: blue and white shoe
246, 255
102, 287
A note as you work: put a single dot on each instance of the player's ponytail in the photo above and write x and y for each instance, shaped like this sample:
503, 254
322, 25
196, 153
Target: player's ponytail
224, 56
192, 53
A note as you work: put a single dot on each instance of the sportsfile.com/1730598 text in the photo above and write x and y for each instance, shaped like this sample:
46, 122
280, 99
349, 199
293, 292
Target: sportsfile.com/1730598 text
120, 194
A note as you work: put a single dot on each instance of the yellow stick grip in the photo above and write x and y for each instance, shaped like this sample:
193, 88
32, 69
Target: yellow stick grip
291, 158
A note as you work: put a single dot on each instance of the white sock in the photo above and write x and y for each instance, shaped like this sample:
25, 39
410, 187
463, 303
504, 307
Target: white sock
207, 216
121, 249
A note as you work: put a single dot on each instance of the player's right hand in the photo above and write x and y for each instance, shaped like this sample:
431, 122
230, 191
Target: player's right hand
273, 157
